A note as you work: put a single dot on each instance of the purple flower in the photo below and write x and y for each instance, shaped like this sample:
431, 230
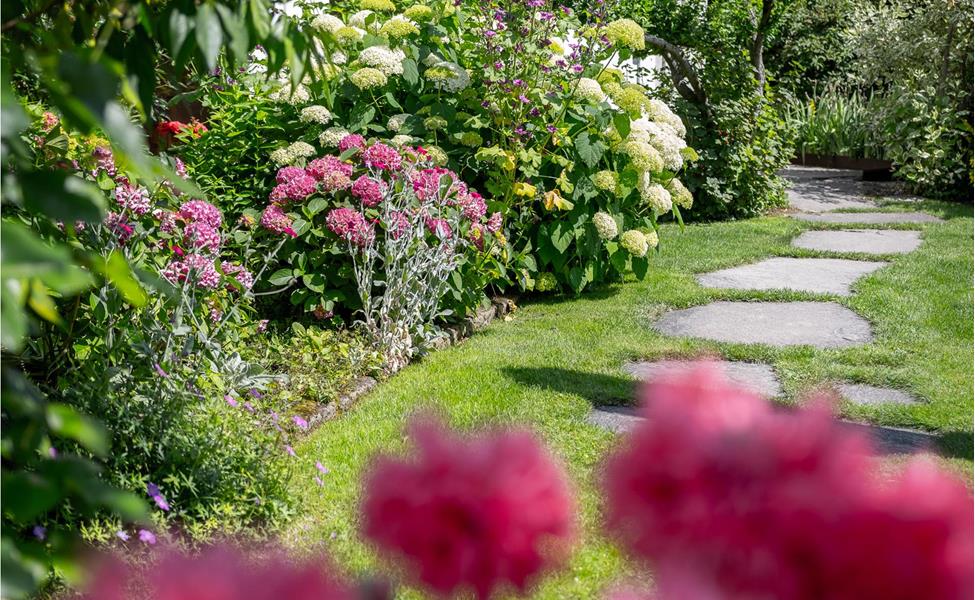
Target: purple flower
230, 400
577, 68
490, 33
122, 535
254, 393
161, 503
321, 468
152, 489
262, 326
551, 128
52, 452
524, 99
518, 83
249, 407
40, 532
290, 451
319, 481
274, 416
301, 423
160, 371
147, 537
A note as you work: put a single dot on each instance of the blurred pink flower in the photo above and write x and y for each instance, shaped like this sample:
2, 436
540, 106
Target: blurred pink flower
479, 514
134, 198
718, 489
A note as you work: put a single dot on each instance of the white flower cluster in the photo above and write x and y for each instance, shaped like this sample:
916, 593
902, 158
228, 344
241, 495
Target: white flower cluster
660, 112
331, 137
289, 94
329, 23
655, 195
448, 76
291, 154
383, 58
605, 225
396, 122
590, 90
359, 20
402, 140
315, 114
663, 138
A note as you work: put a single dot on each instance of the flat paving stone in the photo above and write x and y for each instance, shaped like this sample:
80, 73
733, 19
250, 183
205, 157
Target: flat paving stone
819, 324
888, 440
817, 275
869, 241
872, 395
802, 172
757, 377
869, 218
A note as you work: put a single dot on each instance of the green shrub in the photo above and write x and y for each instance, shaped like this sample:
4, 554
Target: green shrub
837, 124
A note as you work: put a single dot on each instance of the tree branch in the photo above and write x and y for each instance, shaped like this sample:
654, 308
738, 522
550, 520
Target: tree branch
758, 43
681, 70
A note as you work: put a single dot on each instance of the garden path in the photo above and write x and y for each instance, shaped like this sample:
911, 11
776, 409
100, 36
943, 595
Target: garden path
828, 196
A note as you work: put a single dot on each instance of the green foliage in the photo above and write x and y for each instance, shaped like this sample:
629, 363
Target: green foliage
836, 124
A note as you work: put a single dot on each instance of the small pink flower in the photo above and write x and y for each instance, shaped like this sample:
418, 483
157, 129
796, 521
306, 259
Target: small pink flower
230, 400
274, 219
202, 237
494, 223
147, 537
349, 225
300, 422
238, 272
201, 211
117, 224
288, 174
438, 227
381, 156
290, 451
320, 168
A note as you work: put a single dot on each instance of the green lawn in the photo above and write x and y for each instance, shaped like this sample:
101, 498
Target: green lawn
554, 359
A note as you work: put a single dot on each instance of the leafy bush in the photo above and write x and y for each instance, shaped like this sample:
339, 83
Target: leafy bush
537, 131
836, 124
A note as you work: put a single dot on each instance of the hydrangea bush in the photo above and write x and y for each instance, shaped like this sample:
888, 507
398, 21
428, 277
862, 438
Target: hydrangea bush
517, 99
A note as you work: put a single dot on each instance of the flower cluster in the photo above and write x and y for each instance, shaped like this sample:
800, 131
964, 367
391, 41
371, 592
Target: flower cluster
290, 155
605, 226
316, 114
681, 196
448, 76
655, 196
196, 268
635, 242
350, 225
626, 33
730, 497
480, 514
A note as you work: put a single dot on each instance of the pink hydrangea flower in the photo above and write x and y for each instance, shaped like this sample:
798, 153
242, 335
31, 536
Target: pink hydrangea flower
274, 219
216, 573
426, 183
480, 514
353, 140
296, 189
49, 121
104, 160
381, 156
472, 206
180, 167
288, 174
167, 220
202, 211
322, 167
201, 236
494, 223
197, 267
335, 182
349, 225
438, 227
476, 236
238, 272
117, 224
718, 489
398, 224
369, 191
135, 198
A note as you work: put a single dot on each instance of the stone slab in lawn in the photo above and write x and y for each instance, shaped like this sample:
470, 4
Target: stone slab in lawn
820, 198
859, 393
869, 218
869, 241
757, 377
889, 440
819, 324
817, 275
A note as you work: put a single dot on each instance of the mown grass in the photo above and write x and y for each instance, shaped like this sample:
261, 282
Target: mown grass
556, 358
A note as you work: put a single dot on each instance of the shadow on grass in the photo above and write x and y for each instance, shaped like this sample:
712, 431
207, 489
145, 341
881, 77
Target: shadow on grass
956, 444
602, 292
597, 388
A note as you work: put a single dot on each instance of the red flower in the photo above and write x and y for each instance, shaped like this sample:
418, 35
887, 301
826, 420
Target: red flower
218, 573
721, 491
479, 514
170, 128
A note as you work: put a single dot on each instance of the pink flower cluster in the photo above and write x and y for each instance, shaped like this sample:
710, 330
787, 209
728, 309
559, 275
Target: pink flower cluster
350, 225
480, 514
427, 182
438, 227
201, 211
294, 185
238, 272
368, 190
134, 198
383, 157
195, 267
276, 220
333, 173
117, 224
217, 573
353, 140
202, 237
731, 498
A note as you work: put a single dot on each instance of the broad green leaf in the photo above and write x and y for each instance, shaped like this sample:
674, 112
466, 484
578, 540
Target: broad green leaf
621, 121
589, 151
62, 197
209, 34
116, 269
561, 236
67, 422
281, 277
40, 301
410, 73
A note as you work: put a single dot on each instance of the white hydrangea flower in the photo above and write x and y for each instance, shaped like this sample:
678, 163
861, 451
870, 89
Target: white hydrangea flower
605, 225
402, 140
396, 122
338, 58
359, 19
258, 54
383, 58
659, 111
681, 196
315, 114
300, 95
291, 154
331, 137
662, 137
432, 59
448, 76
329, 23
589, 90
635, 242
655, 195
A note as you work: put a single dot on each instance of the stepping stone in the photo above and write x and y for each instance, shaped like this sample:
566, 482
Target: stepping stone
801, 172
871, 395
871, 241
818, 199
870, 218
889, 440
819, 324
817, 275
757, 377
